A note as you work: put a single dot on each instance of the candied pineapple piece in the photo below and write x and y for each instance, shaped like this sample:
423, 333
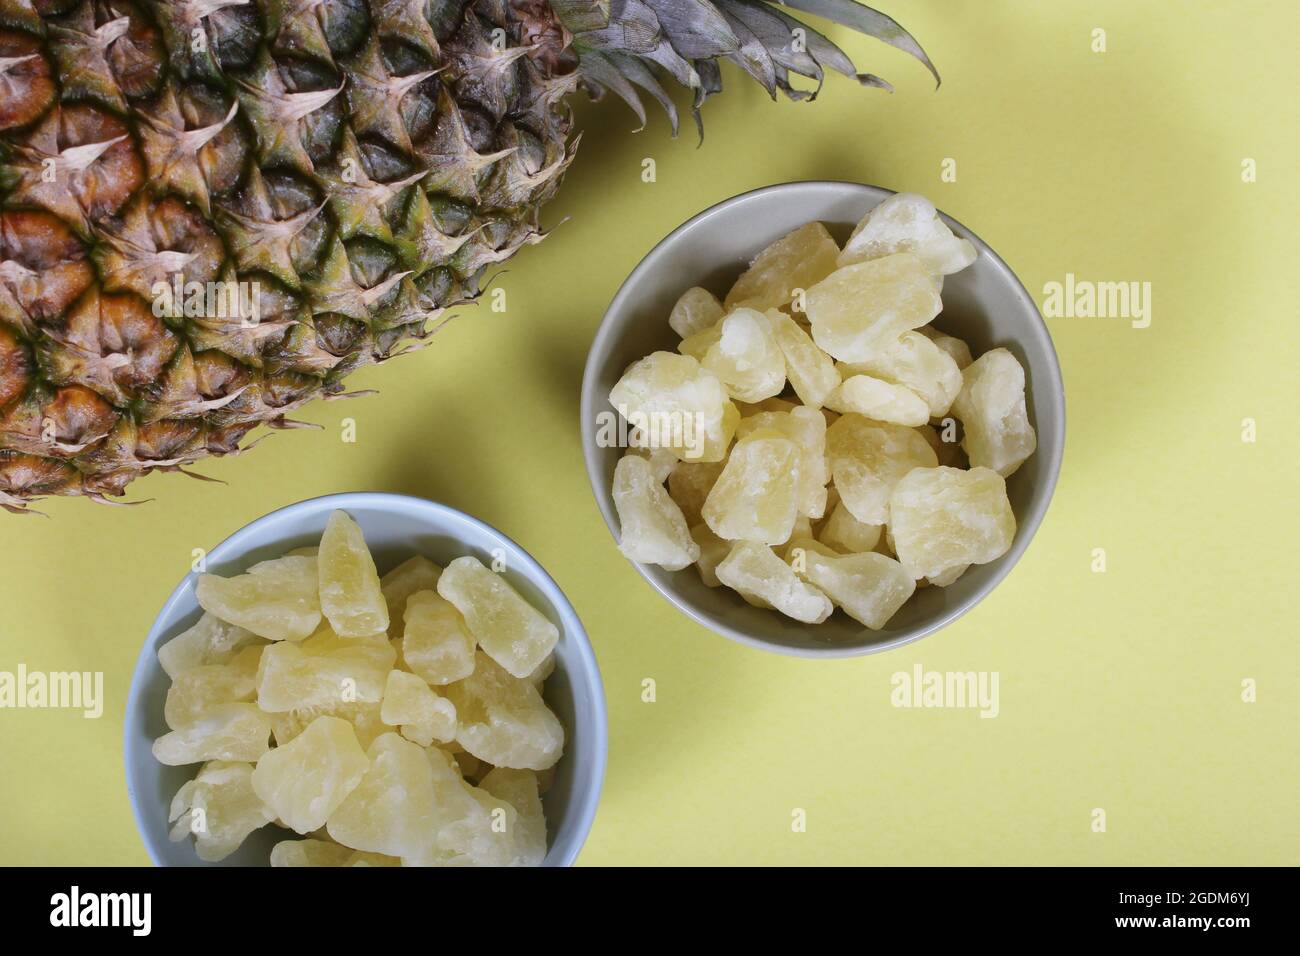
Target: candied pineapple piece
436, 645
350, 595
237, 732
942, 518
652, 529
695, 311
311, 852
197, 690
906, 222
956, 349
277, 600
994, 419
392, 809
868, 458
880, 400
219, 808
322, 671
920, 365
689, 484
363, 715
847, 534
713, 550
746, 357
868, 587
507, 628
679, 404
422, 715
949, 576
811, 371
415, 574
807, 429
756, 498
763, 579
471, 826
305, 780
858, 309
661, 460
519, 788
503, 720
797, 260
210, 641
697, 344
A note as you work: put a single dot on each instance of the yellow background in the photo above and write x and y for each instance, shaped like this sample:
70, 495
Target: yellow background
1119, 690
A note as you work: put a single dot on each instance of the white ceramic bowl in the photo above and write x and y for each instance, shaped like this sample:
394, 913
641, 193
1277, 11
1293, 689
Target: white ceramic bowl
984, 304
395, 527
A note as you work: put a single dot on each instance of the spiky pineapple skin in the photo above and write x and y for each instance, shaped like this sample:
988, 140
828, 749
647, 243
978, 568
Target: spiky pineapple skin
340, 172
352, 167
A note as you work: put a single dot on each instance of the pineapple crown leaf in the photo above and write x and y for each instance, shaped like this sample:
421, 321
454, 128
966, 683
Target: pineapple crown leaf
619, 43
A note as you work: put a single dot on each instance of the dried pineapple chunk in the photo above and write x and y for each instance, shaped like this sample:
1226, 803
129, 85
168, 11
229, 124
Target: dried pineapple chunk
660, 460
847, 534
681, 405
323, 671
746, 357
713, 550
393, 807
995, 421
504, 720
797, 260
811, 371
219, 808
350, 595
868, 458
879, 400
414, 574
210, 641
363, 715
277, 600
869, 587
311, 852
956, 349
919, 364
237, 732
943, 518
471, 826
764, 580
756, 496
906, 222
695, 311
807, 429
195, 691
860, 308
519, 788
689, 484
304, 781
507, 628
422, 715
652, 529
436, 644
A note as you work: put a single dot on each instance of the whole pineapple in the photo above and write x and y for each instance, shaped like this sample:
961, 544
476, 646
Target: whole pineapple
349, 167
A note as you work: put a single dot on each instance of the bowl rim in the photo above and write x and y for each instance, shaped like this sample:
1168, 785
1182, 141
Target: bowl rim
233, 546
1027, 524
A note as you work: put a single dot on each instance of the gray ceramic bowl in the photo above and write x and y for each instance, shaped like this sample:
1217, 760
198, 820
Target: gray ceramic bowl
395, 527
984, 304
